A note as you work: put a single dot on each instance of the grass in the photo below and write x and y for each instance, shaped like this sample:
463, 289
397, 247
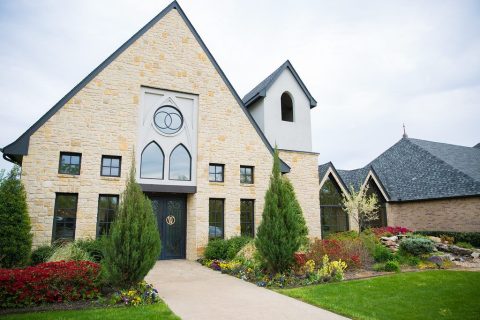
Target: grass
155, 311
415, 295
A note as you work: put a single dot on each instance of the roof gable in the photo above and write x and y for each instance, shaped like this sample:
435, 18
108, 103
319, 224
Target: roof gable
260, 90
15, 151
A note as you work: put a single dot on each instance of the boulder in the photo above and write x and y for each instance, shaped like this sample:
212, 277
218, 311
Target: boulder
475, 255
393, 238
435, 239
460, 251
442, 247
438, 260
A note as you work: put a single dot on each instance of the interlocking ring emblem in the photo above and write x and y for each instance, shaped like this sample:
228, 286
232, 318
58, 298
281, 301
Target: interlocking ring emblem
168, 120
170, 220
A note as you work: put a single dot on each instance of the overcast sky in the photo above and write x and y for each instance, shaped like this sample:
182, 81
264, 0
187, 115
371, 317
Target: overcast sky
371, 65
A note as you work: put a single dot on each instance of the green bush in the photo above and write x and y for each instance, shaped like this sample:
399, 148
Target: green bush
382, 253
379, 267
41, 254
417, 246
405, 258
94, 247
15, 236
69, 252
465, 245
392, 266
225, 249
471, 237
216, 249
133, 245
283, 229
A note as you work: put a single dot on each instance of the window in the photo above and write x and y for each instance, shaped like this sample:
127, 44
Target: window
247, 218
151, 165
111, 166
180, 164
168, 120
287, 107
215, 218
246, 174
333, 217
70, 163
215, 172
65, 216
381, 221
107, 210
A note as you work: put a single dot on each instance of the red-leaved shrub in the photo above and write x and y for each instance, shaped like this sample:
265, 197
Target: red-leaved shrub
389, 231
352, 251
300, 258
49, 282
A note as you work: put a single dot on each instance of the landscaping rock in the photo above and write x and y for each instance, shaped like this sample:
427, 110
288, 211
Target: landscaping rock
393, 238
475, 255
435, 239
438, 260
442, 247
460, 251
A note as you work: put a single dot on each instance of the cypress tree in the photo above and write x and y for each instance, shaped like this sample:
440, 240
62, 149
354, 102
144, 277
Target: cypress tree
283, 229
134, 245
15, 236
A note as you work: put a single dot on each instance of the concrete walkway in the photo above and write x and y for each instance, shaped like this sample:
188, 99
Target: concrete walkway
195, 292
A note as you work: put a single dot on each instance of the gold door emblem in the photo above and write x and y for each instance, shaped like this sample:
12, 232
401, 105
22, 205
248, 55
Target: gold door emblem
170, 220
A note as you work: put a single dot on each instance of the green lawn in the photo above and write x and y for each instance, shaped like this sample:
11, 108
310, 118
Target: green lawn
415, 295
155, 311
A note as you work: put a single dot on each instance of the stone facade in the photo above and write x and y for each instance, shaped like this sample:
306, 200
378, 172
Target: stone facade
460, 214
304, 177
101, 119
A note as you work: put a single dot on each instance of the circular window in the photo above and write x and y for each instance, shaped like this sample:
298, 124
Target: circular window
168, 120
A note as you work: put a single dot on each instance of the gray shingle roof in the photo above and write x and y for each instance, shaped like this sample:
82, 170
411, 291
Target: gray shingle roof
414, 169
260, 90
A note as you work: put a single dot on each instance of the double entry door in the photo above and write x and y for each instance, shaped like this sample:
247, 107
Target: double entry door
170, 211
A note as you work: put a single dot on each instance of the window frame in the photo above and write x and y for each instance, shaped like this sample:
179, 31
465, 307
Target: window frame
163, 162
54, 224
98, 235
170, 163
111, 158
289, 95
216, 165
71, 154
252, 174
222, 200
252, 216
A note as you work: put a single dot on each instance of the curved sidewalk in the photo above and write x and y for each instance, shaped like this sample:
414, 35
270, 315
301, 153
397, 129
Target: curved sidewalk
195, 292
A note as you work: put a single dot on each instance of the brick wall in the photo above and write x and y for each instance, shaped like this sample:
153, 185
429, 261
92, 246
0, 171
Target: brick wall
461, 214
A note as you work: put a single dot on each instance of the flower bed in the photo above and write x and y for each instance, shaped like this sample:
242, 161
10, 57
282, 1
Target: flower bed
390, 231
49, 282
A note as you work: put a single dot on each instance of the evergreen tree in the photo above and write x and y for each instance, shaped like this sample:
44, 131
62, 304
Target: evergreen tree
15, 236
134, 245
283, 229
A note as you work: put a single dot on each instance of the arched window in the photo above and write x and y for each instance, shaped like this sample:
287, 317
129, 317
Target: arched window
333, 217
151, 165
287, 107
180, 164
381, 220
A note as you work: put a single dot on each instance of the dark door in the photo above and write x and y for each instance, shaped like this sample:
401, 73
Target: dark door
171, 217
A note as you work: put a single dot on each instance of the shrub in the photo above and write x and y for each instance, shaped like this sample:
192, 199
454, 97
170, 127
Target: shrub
222, 249
283, 229
216, 249
392, 266
379, 267
417, 246
41, 254
331, 270
15, 236
49, 282
471, 237
352, 251
94, 247
465, 245
248, 252
382, 253
389, 231
69, 252
234, 245
133, 246
447, 239
405, 258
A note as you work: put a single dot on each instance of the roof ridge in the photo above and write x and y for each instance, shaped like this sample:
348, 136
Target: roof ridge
449, 144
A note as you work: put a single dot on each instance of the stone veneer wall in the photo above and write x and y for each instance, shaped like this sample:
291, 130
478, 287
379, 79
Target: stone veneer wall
460, 214
304, 177
102, 119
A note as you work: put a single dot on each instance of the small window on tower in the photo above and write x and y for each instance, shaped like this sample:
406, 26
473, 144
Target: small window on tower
287, 107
